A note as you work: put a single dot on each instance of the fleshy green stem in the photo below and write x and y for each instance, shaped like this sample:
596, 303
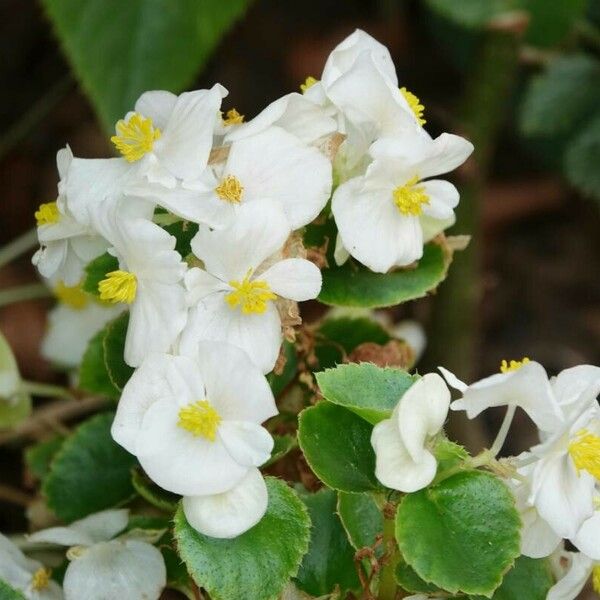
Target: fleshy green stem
30, 291
46, 390
388, 587
18, 246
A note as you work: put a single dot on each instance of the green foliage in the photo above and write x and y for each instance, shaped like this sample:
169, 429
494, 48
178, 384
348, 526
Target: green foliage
183, 232
90, 472
354, 285
113, 344
283, 444
408, 580
9, 593
121, 49
39, 456
583, 157
96, 271
279, 382
461, 534
472, 13
371, 392
149, 491
449, 454
550, 25
17, 406
362, 519
329, 562
258, 563
337, 446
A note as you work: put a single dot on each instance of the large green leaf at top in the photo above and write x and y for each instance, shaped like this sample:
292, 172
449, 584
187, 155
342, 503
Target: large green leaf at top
90, 472
121, 48
256, 564
462, 534
337, 446
370, 391
582, 158
329, 562
354, 285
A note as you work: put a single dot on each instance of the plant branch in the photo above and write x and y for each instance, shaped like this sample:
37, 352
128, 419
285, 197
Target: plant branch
31, 291
18, 246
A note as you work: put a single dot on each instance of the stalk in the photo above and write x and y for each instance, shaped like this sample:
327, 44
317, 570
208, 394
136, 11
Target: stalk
388, 587
18, 246
20, 293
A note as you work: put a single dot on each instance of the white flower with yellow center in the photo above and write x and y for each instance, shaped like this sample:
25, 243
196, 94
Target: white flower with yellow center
149, 279
233, 298
96, 556
384, 217
194, 421
25, 575
403, 456
66, 244
572, 571
73, 322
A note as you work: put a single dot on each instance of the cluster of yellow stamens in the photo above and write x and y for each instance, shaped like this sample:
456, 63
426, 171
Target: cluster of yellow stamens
118, 286
232, 117
250, 296
513, 365
47, 214
410, 197
585, 452
596, 578
200, 419
308, 83
40, 579
415, 105
135, 137
72, 296
230, 189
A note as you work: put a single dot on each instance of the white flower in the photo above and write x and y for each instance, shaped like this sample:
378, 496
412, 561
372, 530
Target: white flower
230, 513
66, 244
102, 567
149, 279
379, 214
233, 297
272, 165
404, 461
26, 575
72, 323
194, 421
573, 570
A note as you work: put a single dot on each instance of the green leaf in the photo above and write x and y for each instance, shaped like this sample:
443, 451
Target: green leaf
39, 456
449, 454
183, 232
96, 271
337, 446
256, 564
113, 345
282, 446
562, 98
362, 519
121, 49
549, 27
408, 580
149, 491
15, 405
90, 472
279, 382
354, 285
370, 391
329, 562
9, 593
582, 159
462, 534
472, 13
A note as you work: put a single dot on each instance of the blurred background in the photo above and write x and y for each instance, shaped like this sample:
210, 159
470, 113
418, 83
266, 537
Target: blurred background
520, 78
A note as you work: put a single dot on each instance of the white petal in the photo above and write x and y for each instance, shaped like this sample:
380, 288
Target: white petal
569, 587
62, 536
452, 380
128, 570
104, 525
422, 412
232, 513
158, 105
248, 444
576, 389
200, 284
294, 278
433, 227
443, 197
340, 254
538, 539
15, 568
587, 539
447, 152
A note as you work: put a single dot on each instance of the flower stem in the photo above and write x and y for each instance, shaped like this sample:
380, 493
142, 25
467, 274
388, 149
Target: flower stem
46, 390
30, 291
503, 432
18, 246
387, 576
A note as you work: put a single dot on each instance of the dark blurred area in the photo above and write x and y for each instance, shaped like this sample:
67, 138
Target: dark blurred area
540, 239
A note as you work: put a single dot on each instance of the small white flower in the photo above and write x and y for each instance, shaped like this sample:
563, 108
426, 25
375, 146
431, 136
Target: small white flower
233, 298
194, 421
573, 570
149, 279
26, 575
379, 215
404, 460
102, 567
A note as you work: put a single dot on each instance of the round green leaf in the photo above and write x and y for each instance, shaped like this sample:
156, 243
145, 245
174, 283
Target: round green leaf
258, 563
149, 491
582, 157
337, 446
113, 345
15, 405
39, 456
472, 13
354, 285
96, 271
462, 534
370, 391
362, 519
7, 592
329, 562
90, 472
408, 580
93, 372
282, 445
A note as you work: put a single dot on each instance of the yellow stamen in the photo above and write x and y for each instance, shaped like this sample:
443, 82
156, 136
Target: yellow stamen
232, 117
72, 296
596, 579
200, 419
308, 83
47, 214
135, 137
415, 105
118, 286
514, 365
585, 452
410, 197
251, 296
41, 579
230, 189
